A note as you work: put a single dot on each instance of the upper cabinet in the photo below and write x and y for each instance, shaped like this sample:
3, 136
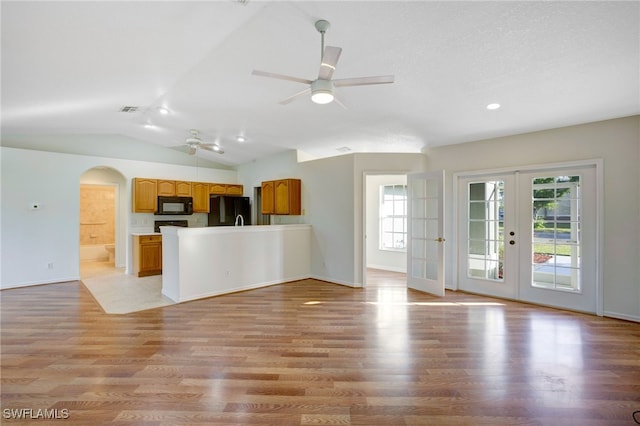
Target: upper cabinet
145, 196
200, 193
174, 188
282, 197
183, 189
217, 188
233, 189
146, 191
268, 197
225, 189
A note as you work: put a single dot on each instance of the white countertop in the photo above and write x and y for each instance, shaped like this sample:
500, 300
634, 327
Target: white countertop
176, 230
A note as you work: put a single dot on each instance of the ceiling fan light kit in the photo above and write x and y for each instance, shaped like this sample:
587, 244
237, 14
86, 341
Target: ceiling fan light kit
322, 91
322, 88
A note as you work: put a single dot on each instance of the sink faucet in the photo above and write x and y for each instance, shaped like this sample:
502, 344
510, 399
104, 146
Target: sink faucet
240, 219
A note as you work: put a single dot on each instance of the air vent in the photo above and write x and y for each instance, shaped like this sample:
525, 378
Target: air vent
128, 108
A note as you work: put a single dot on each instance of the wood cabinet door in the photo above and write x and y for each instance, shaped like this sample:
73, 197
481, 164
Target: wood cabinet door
150, 258
217, 188
166, 188
145, 199
282, 196
287, 197
200, 193
183, 189
233, 189
268, 197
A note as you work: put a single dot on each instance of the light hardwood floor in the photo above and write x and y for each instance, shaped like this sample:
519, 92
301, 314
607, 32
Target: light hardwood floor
311, 352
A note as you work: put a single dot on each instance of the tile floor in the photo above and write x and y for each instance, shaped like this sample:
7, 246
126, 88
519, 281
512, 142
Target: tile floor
120, 293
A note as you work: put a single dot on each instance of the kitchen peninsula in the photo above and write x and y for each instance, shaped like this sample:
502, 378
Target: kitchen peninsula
204, 262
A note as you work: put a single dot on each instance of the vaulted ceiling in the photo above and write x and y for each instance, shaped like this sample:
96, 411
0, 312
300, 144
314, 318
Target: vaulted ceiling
68, 69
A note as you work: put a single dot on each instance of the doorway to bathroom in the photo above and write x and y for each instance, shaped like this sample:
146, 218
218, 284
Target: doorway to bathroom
100, 230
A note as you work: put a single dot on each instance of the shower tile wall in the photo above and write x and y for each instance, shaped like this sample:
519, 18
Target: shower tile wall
97, 214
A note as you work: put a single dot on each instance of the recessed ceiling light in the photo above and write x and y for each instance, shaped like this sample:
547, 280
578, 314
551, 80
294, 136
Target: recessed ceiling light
493, 106
149, 126
163, 110
240, 139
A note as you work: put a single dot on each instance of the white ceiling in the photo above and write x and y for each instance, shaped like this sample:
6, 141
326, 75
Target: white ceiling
68, 67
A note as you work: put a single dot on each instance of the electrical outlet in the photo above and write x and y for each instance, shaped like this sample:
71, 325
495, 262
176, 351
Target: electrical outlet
50, 265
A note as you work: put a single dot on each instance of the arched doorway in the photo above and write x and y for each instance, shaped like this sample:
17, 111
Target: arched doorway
102, 230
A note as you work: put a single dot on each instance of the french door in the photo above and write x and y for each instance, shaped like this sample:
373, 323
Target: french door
425, 252
530, 236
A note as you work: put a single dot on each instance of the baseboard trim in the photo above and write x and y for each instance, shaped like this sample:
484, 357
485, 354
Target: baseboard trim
44, 282
625, 317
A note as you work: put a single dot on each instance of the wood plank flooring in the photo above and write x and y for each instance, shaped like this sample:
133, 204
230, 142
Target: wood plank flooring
314, 353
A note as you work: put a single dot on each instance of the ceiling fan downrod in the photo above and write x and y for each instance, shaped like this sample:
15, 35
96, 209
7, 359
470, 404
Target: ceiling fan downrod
322, 26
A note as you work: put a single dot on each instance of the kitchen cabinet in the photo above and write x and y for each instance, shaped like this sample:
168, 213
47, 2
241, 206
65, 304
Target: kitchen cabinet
268, 197
234, 189
173, 188
282, 197
200, 194
166, 188
147, 255
183, 189
146, 191
226, 189
145, 196
217, 188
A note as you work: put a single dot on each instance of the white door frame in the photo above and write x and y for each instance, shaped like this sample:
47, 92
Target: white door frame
597, 163
366, 173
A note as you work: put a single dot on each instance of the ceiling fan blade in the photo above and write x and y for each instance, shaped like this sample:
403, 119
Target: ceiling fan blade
280, 76
337, 99
212, 147
294, 97
186, 149
329, 61
363, 81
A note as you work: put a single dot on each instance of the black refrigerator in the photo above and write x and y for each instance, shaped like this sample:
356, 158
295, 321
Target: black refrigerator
224, 210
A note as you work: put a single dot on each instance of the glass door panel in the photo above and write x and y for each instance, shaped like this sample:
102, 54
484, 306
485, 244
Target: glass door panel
555, 206
488, 208
425, 255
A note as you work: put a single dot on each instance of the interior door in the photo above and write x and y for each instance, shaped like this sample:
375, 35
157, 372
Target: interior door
425, 250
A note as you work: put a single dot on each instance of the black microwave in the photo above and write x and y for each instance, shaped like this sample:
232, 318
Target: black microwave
174, 205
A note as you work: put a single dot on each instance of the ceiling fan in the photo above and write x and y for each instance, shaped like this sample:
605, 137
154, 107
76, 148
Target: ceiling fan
194, 142
322, 88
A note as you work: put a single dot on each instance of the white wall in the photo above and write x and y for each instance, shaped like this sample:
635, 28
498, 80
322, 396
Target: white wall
332, 199
376, 258
327, 204
617, 143
33, 239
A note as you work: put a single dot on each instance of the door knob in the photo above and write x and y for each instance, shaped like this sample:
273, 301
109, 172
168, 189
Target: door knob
440, 240
512, 242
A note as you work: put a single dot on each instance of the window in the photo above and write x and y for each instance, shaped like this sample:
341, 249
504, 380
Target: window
393, 217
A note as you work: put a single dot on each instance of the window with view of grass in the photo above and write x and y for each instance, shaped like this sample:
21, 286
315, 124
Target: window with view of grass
393, 217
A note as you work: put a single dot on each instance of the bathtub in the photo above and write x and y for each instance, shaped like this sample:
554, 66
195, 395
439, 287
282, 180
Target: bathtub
97, 252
